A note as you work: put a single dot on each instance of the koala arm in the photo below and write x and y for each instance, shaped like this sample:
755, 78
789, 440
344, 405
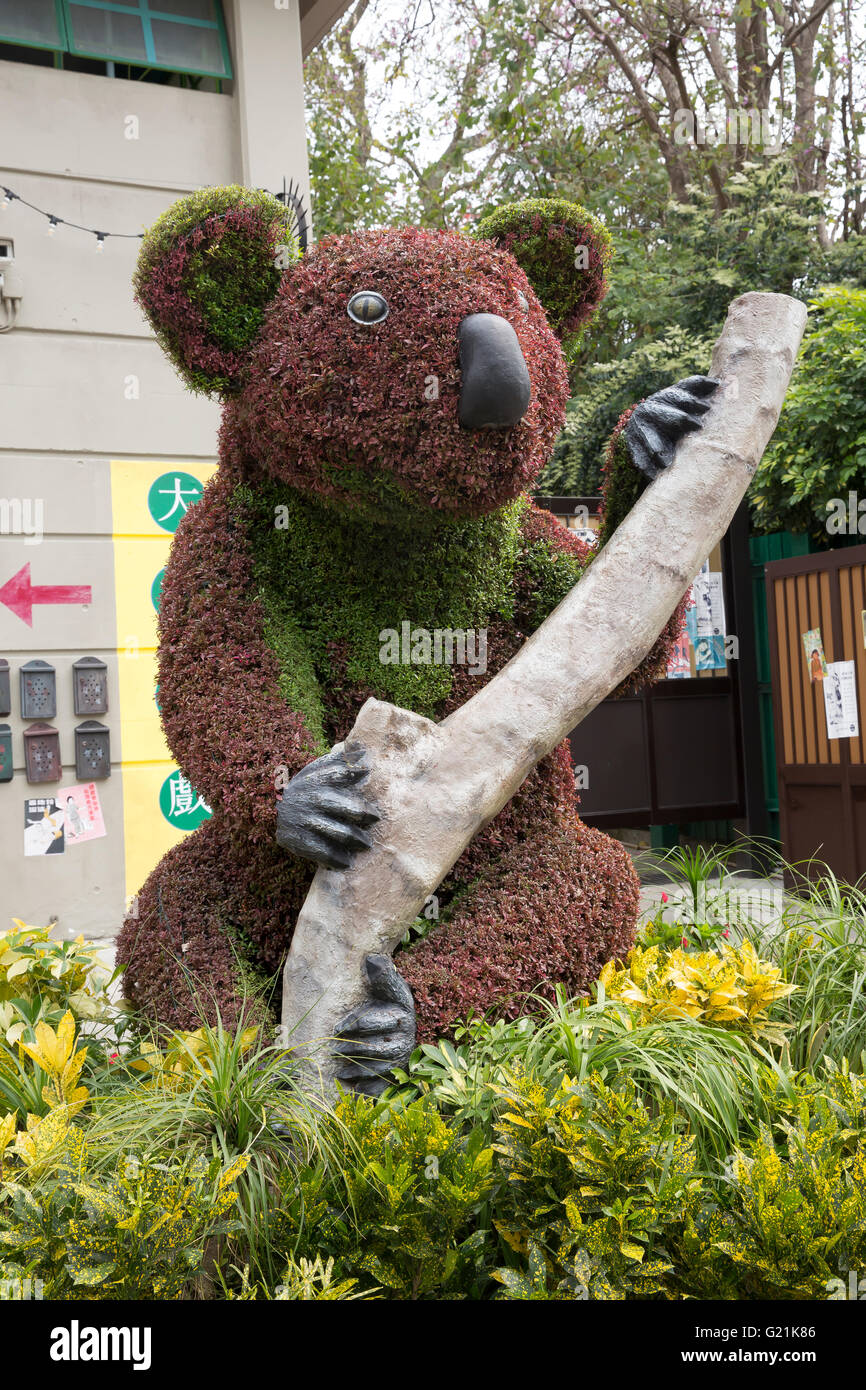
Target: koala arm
550, 563
233, 733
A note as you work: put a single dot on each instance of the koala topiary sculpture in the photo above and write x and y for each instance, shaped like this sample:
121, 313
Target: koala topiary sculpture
389, 397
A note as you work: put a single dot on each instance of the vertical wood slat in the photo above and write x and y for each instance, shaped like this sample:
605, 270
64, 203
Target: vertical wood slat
798, 709
844, 589
854, 577
829, 647
808, 689
816, 619
780, 596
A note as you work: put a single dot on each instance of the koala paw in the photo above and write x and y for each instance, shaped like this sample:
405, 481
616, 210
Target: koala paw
322, 813
380, 1034
657, 425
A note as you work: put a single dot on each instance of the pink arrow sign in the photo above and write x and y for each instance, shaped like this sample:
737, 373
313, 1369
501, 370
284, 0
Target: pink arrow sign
19, 595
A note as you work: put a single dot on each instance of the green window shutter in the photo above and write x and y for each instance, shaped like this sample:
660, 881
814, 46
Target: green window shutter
178, 35
32, 23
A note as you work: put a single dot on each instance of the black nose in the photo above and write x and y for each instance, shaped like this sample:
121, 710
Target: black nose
495, 386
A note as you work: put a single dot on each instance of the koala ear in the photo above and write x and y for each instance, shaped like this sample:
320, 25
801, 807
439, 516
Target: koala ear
207, 269
564, 251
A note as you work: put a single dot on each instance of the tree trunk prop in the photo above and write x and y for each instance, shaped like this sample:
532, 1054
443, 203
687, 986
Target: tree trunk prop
437, 785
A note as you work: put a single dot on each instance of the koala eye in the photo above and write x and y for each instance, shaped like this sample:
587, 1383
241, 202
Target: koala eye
523, 301
367, 307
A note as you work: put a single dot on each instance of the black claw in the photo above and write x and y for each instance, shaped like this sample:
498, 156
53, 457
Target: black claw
322, 812
379, 1035
659, 423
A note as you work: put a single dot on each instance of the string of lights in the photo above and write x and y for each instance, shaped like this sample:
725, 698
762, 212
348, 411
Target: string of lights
290, 196
54, 221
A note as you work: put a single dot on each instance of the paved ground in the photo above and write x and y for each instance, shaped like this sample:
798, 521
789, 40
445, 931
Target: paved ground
737, 895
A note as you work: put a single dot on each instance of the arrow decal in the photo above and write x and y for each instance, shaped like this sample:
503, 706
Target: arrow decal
20, 596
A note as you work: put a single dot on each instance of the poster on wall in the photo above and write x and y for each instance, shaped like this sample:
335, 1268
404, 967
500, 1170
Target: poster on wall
710, 602
710, 654
691, 623
679, 666
814, 649
43, 826
840, 700
83, 819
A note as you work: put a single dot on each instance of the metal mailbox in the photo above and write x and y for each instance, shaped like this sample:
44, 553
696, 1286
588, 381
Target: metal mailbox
42, 753
38, 690
5, 753
92, 751
90, 685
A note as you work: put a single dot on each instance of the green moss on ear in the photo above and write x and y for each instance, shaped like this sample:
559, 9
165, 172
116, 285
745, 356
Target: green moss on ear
564, 250
205, 275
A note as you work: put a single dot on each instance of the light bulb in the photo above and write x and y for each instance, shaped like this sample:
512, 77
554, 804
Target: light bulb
52, 223
100, 241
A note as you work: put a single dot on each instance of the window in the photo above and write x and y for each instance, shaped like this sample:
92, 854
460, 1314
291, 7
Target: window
170, 35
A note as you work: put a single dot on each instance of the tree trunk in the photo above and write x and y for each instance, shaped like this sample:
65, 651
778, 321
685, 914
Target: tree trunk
437, 785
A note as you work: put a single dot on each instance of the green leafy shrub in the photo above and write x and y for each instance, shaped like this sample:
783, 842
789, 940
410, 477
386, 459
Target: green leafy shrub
819, 944
595, 1186
398, 1206
794, 1220
606, 390
818, 453
138, 1235
41, 978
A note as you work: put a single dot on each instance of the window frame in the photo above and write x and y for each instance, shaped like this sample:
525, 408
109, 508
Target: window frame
146, 11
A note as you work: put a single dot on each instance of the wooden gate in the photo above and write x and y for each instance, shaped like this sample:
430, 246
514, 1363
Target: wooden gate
822, 778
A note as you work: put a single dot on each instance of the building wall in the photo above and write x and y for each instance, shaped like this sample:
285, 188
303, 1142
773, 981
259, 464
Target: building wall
91, 415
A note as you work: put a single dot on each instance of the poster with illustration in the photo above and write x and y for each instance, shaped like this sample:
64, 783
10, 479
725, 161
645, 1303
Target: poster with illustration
83, 813
710, 654
840, 700
43, 826
814, 649
679, 665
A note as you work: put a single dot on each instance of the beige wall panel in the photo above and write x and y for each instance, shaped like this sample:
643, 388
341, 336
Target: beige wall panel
75, 493
67, 394
269, 92
75, 125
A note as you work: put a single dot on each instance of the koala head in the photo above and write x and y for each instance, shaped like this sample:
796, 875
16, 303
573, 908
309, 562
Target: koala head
397, 370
